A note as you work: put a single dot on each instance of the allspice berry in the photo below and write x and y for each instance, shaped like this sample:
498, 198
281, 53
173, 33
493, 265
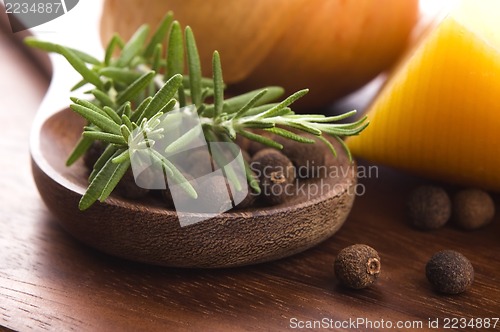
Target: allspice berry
429, 207
472, 209
449, 272
357, 266
93, 153
276, 175
308, 159
128, 188
181, 195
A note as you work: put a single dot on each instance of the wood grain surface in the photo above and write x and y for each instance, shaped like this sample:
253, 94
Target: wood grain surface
49, 281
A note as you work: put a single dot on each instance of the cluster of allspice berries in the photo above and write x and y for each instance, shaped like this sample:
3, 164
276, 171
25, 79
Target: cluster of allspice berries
430, 207
358, 266
277, 171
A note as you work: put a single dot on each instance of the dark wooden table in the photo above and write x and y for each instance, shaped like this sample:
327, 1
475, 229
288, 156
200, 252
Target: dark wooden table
48, 281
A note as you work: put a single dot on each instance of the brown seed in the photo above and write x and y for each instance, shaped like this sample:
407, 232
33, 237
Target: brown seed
242, 142
127, 187
213, 194
429, 207
180, 194
248, 201
246, 156
357, 266
276, 175
93, 153
253, 147
197, 163
449, 272
472, 209
308, 159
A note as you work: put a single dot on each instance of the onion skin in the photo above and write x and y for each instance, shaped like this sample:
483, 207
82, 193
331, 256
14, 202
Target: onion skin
332, 47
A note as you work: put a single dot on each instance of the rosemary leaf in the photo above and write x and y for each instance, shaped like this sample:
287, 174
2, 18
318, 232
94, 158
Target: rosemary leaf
168, 106
221, 159
118, 173
303, 126
126, 121
79, 150
321, 119
328, 144
290, 135
336, 131
183, 140
102, 160
259, 109
80, 66
123, 75
260, 139
157, 60
285, 103
121, 109
176, 176
104, 179
126, 131
235, 103
140, 110
50, 47
344, 146
133, 46
105, 137
135, 88
78, 85
251, 103
205, 82
258, 124
122, 157
218, 84
101, 121
194, 66
175, 58
90, 105
159, 34
251, 178
103, 98
113, 115
162, 97
110, 49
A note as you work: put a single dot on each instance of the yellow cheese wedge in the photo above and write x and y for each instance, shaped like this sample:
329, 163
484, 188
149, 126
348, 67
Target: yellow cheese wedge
439, 113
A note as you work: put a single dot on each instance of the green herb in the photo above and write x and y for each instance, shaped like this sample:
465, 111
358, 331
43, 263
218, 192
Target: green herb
135, 88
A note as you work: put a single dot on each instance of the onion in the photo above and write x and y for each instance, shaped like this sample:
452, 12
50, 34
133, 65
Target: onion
332, 47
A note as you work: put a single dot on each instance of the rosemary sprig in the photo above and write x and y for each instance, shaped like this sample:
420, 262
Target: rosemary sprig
133, 90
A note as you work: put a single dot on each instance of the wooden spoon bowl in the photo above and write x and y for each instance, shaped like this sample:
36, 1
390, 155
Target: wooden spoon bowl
146, 231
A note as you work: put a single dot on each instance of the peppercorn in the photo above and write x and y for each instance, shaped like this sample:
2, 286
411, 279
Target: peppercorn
214, 195
429, 207
181, 195
308, 158
275, 173
93, 153
357, 266
250, 197
248, 201
253, 147
246, 156
243, 142
197, 163
449, 272
472, 209
128, 188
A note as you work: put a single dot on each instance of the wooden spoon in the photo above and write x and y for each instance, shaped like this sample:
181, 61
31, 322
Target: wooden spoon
146, 231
